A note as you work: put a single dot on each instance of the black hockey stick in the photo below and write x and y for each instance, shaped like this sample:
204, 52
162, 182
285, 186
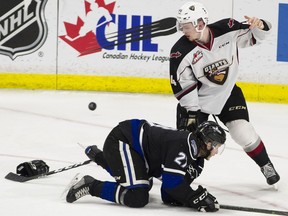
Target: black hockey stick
14, 177
257, 210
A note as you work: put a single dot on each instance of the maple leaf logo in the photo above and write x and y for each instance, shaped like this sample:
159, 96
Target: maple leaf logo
231, 23
81, 35
175, 55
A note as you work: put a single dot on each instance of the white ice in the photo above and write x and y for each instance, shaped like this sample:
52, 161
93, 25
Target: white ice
52, 126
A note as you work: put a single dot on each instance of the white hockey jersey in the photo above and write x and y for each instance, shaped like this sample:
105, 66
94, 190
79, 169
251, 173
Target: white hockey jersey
202, 77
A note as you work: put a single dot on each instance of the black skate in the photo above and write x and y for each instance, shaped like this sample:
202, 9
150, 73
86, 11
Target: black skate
80, 189
270, 173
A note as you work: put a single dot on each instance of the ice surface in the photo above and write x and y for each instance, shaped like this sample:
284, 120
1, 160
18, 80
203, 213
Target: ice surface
52, 126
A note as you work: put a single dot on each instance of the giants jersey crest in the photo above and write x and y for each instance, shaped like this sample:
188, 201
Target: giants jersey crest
217, 72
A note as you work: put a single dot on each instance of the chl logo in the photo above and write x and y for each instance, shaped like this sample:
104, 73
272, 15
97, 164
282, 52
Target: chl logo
23, 29
88, 35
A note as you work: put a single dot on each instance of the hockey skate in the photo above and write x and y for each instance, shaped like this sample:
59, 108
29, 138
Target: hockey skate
270, 173
80, 189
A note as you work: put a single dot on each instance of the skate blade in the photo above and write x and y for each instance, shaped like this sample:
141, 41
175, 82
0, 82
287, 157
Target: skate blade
73, 181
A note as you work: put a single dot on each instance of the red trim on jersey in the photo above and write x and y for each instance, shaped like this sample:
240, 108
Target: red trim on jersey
188, 90
244, 33
257, 150
208, 45
253, 40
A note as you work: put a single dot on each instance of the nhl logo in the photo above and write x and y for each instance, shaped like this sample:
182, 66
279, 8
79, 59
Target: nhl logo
23, 29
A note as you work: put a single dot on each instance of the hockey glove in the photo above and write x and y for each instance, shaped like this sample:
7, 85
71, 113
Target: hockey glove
187, 120
204, 201
32, 168
192, 120
92, 151
97, 156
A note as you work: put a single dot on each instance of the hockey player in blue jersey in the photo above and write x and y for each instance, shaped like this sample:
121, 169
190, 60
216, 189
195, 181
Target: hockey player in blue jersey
203, 71
136, 151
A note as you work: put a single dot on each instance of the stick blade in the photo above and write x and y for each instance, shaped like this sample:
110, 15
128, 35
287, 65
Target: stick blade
14, 177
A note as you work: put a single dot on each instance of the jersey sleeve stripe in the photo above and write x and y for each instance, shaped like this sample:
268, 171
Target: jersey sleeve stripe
185, 91
173, 170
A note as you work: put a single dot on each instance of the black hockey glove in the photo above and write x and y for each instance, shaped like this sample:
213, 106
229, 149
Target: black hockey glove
204, 201
187, 121
97, 156
32, 168
192, 120
92, 151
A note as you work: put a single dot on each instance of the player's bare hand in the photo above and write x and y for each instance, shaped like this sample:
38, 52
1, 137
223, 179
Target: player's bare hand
254, 22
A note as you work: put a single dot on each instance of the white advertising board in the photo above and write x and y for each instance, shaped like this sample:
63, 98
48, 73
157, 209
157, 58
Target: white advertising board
75, 38
28, 36
259, 63
97, 52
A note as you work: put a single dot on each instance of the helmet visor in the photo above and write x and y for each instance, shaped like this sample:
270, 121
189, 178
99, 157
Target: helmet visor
195, 24
216, 146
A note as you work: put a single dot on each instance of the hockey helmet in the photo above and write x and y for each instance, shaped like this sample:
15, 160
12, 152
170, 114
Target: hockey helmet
192, 12
210, 131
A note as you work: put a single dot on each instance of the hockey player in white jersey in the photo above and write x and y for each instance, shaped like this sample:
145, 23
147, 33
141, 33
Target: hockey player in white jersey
203, 73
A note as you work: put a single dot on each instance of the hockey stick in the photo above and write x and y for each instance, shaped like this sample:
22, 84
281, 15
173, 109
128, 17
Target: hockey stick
14, 177
257, 210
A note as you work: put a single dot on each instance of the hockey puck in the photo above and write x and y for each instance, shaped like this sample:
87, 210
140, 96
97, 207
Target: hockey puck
92, 106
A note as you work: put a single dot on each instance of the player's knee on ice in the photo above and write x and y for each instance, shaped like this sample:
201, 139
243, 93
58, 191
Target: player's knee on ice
136, 198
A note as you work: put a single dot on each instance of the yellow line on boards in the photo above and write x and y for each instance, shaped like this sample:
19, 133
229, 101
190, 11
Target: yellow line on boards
253, 91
